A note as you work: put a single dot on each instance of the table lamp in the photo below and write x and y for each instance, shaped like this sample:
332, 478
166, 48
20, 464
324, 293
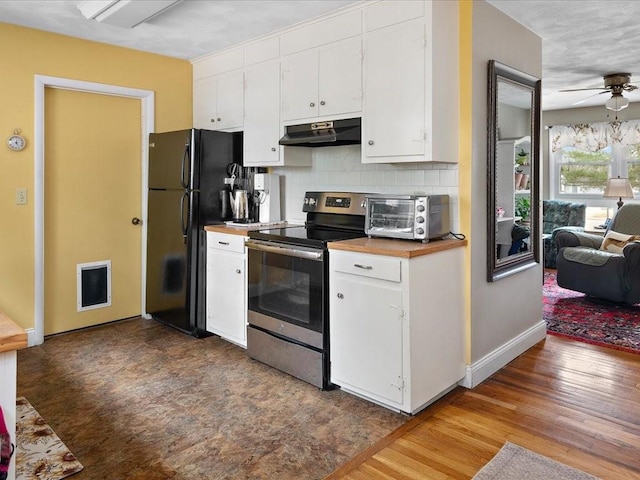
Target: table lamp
618, 187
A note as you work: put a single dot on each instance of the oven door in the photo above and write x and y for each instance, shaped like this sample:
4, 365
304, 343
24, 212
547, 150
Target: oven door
286, 283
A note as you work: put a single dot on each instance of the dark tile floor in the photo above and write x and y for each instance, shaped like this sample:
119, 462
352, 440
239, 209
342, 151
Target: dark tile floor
138, 400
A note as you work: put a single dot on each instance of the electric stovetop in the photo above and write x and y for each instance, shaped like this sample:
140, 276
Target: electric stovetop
305, 236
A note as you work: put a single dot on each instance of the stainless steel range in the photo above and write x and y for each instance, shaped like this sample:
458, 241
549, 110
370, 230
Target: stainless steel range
288, 285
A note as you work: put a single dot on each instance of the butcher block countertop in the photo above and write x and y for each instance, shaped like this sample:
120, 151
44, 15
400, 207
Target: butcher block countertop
395, 248
12, 337
242, 230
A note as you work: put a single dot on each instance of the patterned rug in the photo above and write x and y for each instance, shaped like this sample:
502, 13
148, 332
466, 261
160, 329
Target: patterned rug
40, 454
573, 315
516, 462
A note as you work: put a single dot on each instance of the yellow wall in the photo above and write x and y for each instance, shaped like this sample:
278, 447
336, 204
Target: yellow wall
465, 150
24, 53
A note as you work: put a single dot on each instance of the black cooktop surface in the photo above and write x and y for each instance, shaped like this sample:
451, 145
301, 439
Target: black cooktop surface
312, 236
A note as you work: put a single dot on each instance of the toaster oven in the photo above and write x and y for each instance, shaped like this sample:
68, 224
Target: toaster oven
411, 217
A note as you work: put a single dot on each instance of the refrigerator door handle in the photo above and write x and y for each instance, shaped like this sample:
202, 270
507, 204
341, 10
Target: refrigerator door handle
184, 219
184, 179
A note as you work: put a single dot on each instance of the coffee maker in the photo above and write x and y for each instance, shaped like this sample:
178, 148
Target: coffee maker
266, 187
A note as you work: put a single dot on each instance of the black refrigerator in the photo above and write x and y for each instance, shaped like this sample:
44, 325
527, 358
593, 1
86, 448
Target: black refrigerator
186, 173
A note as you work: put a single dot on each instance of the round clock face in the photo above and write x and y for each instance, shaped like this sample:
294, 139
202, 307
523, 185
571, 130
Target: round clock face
16, 142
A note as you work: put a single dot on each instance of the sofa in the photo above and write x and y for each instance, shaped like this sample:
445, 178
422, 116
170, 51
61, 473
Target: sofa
606, 267
559, 215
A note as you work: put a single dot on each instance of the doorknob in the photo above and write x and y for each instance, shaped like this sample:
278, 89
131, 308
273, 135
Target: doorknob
136, 221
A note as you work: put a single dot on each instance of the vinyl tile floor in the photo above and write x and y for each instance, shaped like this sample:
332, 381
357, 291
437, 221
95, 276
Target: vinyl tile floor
138, 400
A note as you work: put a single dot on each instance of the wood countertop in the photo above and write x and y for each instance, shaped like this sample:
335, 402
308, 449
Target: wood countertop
238, 230
12, 337
396, 248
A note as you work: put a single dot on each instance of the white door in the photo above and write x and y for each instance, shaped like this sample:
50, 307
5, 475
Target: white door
226, 298
92, 192
366, 337
394, 100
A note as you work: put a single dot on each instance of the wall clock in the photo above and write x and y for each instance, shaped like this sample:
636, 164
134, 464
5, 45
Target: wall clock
16, 142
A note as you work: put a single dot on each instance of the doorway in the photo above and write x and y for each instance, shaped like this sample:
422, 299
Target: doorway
146, 112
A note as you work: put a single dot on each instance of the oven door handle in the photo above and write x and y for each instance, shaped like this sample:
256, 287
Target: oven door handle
278, 249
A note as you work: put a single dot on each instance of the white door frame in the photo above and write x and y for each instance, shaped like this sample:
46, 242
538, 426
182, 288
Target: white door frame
147, 120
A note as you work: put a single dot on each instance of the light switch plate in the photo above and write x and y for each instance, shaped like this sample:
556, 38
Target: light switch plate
21, 196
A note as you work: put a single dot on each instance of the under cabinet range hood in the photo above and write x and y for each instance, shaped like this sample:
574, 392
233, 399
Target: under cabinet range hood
323, 134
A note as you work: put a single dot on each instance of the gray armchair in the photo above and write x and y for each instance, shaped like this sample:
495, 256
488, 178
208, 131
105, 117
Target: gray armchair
583, 267
559, 215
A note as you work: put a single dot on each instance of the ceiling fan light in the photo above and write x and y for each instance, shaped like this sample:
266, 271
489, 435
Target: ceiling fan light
617, 102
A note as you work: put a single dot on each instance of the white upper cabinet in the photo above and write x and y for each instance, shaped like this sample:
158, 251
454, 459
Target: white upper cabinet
323, 82
218, 102
262, 115
394, 105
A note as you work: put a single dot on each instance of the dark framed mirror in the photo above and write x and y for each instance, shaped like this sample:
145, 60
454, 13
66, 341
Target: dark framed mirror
513, 166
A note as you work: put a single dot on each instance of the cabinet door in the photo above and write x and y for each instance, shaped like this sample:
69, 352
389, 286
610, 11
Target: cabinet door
366, 337
300, 86
204, 103
230, 101
340, 70
226, 295
262, 115
394, 100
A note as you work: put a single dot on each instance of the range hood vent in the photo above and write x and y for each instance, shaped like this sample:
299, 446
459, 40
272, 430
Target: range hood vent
323, 134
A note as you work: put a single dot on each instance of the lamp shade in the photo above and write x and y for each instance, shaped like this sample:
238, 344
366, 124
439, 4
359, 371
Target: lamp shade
617, 102
618, 187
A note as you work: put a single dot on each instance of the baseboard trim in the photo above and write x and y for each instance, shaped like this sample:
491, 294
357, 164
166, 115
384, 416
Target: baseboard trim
31, 337
479, 371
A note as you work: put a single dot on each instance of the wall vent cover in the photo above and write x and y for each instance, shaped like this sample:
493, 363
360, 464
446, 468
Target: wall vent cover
94, 285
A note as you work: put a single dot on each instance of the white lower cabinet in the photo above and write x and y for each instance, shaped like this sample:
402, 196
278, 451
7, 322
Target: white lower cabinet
396, 326
227, 287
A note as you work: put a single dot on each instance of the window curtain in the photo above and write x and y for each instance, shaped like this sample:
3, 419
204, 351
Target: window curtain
592, 137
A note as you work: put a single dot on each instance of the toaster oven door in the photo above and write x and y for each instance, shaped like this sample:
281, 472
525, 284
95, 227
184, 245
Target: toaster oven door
391, 217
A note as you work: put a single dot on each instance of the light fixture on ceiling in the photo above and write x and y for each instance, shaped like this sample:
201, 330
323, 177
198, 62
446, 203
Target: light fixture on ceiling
617, 102
124, 13
618, 187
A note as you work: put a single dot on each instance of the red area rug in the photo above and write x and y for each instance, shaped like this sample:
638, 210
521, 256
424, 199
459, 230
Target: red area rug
573, 315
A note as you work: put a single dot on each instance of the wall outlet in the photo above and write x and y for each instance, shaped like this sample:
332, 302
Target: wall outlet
21, 196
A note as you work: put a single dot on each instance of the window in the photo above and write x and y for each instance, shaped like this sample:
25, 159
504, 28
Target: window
584, 156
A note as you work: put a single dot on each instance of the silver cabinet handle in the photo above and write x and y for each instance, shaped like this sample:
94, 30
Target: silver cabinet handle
364, 267
223, 243
273, 149
312, 104
341, 296
136, 221
218, 119
238, 271
322, 102
213, 120
370, 142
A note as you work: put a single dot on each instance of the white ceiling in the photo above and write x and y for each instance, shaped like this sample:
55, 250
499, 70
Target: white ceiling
581, 41
188, 30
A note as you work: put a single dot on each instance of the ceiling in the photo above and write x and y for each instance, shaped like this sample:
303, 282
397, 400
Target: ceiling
581, 41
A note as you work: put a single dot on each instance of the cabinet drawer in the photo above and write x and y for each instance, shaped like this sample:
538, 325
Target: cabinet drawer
372, 266
228, 243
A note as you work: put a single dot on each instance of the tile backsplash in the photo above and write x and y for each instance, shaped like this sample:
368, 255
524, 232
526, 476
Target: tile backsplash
340, 169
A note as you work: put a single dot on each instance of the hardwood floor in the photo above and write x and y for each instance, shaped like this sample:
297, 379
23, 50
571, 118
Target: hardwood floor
576, 403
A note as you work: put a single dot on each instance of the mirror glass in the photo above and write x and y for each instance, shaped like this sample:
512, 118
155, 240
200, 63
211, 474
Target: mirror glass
513, 129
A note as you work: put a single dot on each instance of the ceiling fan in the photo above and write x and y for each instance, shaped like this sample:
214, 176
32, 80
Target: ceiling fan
614, 83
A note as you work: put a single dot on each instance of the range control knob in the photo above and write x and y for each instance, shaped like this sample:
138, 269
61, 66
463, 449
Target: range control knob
306, 201
312, 201
420, 231
420, 208
420, 219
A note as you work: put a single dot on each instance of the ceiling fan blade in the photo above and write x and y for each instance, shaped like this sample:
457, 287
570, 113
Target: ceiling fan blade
587, 98
583, 89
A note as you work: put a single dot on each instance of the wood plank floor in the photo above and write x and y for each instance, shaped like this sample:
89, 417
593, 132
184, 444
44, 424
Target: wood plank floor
576, 403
